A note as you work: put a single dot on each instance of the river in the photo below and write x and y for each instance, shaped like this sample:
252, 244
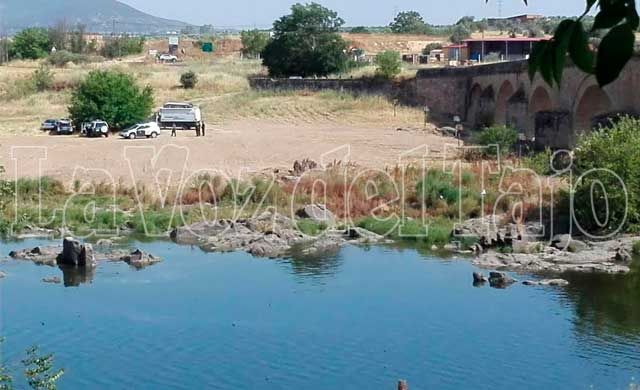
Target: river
359, 319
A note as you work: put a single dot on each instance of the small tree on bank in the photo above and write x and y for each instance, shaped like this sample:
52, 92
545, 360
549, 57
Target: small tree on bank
31, 44
389, 64
111, 96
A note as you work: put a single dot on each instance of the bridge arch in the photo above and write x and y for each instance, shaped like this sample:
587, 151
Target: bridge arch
474, 104
505, 92
593, 102
540, 100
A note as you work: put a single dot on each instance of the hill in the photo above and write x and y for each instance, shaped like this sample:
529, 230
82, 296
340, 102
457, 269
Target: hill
97, 15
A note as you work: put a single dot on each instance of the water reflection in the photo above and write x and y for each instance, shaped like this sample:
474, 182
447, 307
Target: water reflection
315, 265
75, 276
606, 304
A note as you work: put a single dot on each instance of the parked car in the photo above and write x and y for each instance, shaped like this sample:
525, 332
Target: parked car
96, 129
168, 58
148, 130
64, 126
49, 125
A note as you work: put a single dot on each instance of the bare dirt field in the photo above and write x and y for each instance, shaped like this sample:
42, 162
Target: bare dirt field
240, 147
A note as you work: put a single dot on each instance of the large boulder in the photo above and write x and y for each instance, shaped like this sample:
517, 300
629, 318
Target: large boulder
318, 213
75, 254
567, 243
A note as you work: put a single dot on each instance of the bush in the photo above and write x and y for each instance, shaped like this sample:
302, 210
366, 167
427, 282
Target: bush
31, 43
63, 57
636, 248
389, 64
111, 96
605, 157
540, 163
437, 186
42, 78
503, 137
122, 46
188, 80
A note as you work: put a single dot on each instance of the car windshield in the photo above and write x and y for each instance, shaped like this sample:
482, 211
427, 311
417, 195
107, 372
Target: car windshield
50, 121
131, 128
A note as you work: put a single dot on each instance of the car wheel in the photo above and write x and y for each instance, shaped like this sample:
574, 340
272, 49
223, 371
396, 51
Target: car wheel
154, 135
132, 136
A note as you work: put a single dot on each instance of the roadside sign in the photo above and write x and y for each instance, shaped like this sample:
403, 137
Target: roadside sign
174, 40
208, 47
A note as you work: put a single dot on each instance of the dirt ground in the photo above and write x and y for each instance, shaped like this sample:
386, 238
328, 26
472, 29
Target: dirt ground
237, 148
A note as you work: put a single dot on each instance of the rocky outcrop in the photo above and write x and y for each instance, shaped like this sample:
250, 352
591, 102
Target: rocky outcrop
547, 282
605, 257
270, 235
489, 233
52, 280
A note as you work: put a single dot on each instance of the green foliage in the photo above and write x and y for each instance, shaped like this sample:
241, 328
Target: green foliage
254, 42
438, 186
39, 370
360, 30
111, 96
62, 57
42, 78
617, 19
540, 163
636, 248
436, 232
306, 43
310, 228
505, 138
389, 64
607, 157
31, 43
122, 46
431, 46
409, 22
460, 33
189, 80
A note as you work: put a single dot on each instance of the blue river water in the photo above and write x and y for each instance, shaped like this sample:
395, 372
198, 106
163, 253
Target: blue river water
358, 319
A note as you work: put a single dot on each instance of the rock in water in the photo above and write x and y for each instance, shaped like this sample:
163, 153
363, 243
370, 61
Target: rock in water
140, 259
71, 251
52, 280
479, 279
318, 213
568, 243
500, 280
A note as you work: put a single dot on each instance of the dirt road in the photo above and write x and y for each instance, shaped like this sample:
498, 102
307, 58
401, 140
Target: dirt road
237, 148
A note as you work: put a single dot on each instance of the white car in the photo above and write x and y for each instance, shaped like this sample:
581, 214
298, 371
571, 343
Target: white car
168, 58
142, 130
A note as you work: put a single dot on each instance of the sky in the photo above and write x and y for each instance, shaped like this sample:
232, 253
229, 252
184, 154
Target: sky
249, 13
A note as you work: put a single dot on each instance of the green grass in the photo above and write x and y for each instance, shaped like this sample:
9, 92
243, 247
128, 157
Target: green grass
435, 232
636, 248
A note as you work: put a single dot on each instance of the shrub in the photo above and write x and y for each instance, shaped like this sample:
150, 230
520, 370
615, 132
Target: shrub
63, 57
111, 96
437, 186
603, 159
499, 139
389, 64
31, 43
42, 78
540, 163
636, 248
188, 80
122, 46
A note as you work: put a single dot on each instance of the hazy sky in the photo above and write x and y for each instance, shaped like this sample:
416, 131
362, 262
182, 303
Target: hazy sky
243, 13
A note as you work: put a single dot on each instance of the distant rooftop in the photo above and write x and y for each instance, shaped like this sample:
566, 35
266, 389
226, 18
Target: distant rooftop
506, 39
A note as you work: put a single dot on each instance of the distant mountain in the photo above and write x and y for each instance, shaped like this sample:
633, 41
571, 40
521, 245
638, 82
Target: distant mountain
97, 15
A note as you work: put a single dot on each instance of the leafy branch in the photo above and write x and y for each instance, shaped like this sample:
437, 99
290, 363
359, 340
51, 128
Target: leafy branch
620, 20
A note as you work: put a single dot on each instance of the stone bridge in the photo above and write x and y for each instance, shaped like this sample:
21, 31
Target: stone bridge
502, 93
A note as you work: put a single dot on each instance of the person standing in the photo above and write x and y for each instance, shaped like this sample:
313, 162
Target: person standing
173, 131
203, 129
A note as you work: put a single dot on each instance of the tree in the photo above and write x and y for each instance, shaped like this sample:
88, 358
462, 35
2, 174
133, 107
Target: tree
460, 33
431, 46
306, 43
621, 21
58, 35
189, 80
360, 30
389, 64
77, 41
42, 78
31, 43
408, 22
122, 46
253, 42
39, 370
111, 96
